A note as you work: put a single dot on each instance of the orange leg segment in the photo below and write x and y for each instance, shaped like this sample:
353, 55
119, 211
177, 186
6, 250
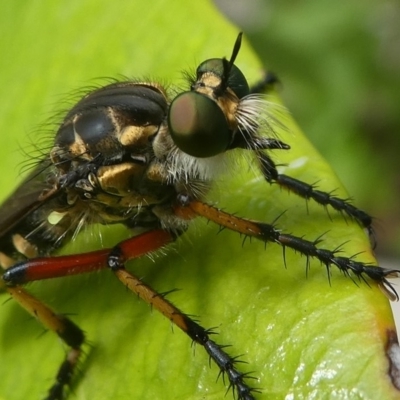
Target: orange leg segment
51, 267
44, 268
187, 208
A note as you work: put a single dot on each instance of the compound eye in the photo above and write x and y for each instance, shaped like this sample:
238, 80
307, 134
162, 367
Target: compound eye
238, 83
198, 126
236, 79
214, 65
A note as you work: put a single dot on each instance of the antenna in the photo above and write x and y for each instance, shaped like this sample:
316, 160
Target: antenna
227, 65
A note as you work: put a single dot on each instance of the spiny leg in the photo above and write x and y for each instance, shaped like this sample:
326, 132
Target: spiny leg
188, 208
268, 81
51, 267
68, 332
302, 189
44, 268
307, 191
200, 335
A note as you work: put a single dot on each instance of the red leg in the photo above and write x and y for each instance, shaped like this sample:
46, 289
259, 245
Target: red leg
51, 267
54, 267
43, 268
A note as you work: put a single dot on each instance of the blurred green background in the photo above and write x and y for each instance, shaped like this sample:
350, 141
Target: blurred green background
339, 64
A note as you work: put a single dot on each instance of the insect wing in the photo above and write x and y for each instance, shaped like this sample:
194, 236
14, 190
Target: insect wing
26, 198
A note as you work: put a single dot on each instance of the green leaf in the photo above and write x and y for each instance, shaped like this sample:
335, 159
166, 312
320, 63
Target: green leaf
302, 337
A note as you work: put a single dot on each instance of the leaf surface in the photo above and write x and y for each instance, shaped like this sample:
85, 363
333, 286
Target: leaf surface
302, 337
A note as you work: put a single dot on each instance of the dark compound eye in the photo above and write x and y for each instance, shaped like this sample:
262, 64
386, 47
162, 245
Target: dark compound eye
198, 126
236, 80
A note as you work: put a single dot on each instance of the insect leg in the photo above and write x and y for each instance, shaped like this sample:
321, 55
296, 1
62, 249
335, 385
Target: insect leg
68, 332
188, 208
268, 81
44, 268
200, 335
307, 191
51, 267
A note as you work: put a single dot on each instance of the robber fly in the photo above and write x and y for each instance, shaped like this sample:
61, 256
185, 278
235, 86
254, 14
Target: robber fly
129, 153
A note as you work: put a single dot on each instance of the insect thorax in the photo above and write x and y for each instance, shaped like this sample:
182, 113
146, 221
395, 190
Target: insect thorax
114, 161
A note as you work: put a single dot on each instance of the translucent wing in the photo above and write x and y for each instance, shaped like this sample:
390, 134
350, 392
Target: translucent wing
33, 192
